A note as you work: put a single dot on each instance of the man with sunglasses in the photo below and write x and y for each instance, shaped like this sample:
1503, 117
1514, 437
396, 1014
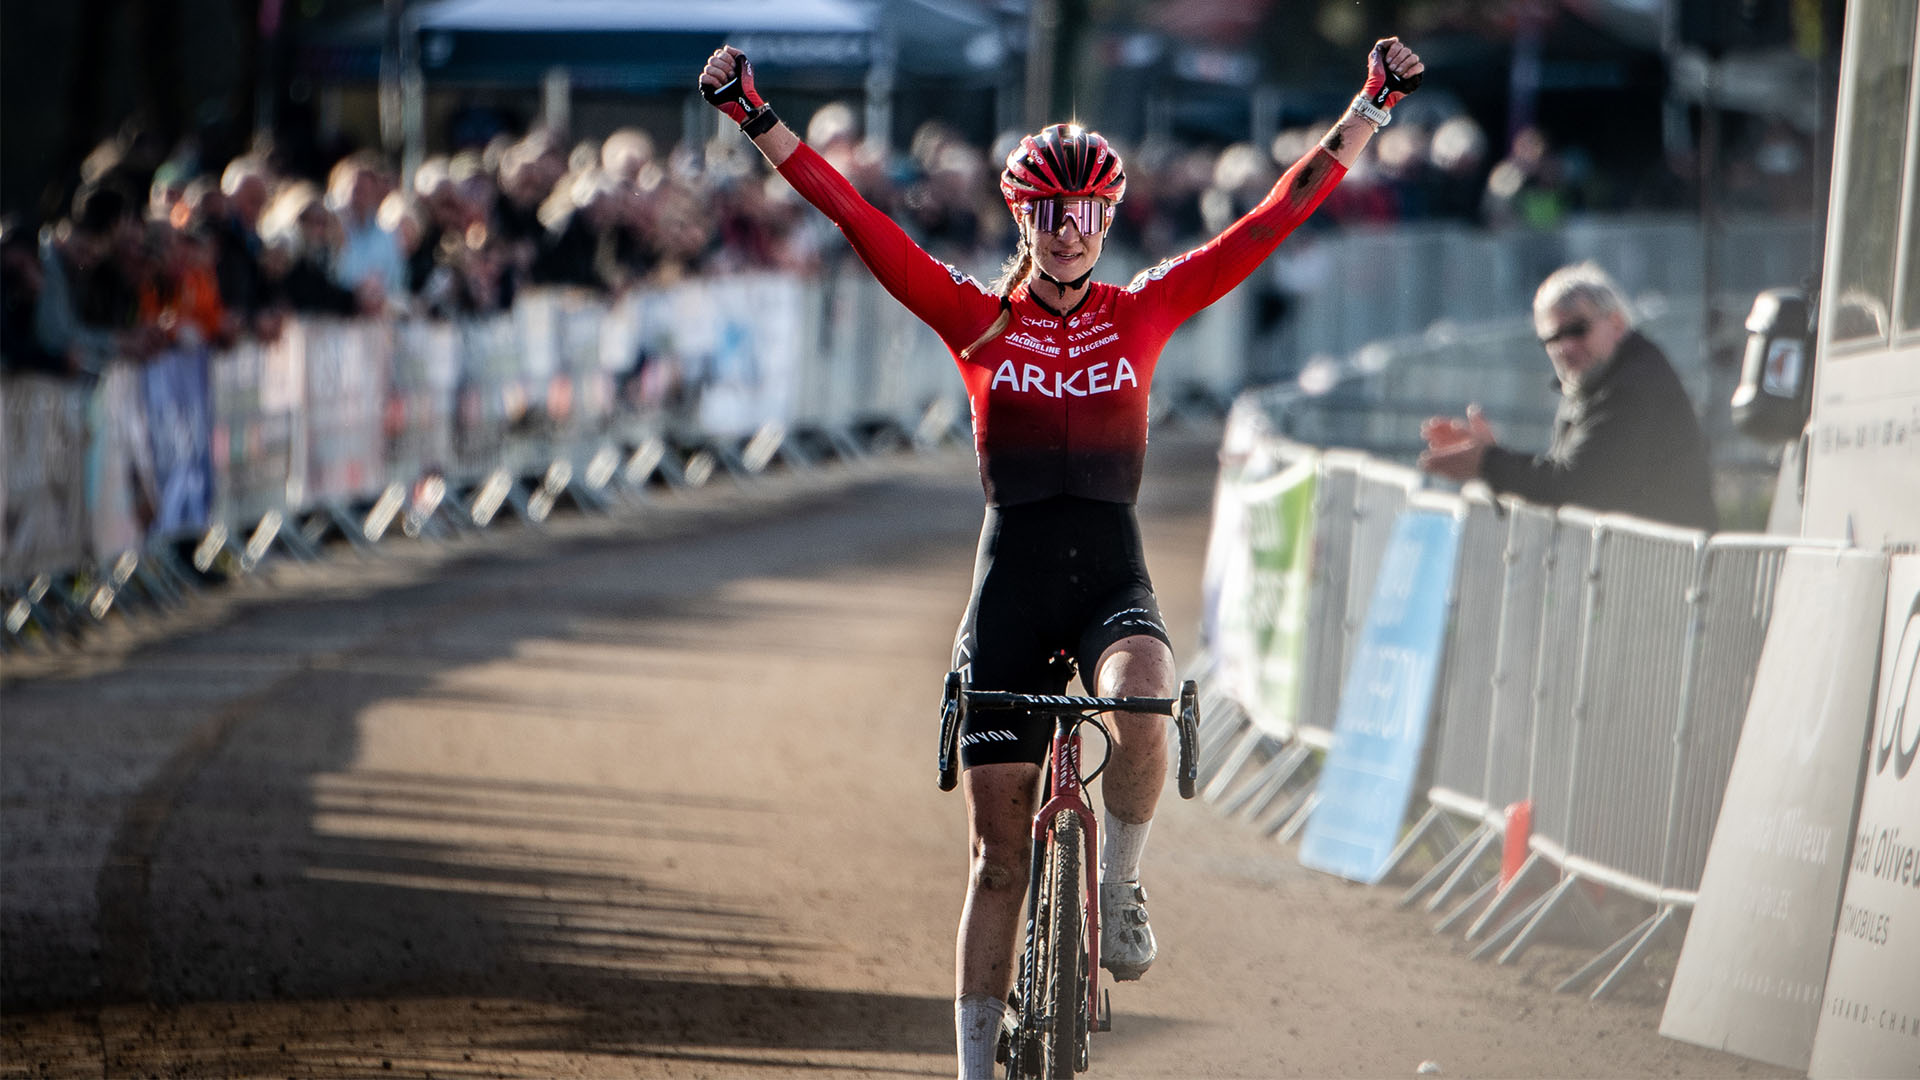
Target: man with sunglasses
1625, 437
1057, 368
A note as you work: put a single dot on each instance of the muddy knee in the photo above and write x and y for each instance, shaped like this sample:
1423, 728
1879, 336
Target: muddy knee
999, 875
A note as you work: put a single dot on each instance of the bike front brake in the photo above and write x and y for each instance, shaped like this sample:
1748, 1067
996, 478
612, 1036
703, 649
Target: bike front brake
953, 712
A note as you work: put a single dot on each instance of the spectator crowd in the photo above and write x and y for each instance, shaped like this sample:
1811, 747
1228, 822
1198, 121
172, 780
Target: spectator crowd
185, 251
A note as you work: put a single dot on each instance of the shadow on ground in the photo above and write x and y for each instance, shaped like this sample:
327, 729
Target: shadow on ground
270, 906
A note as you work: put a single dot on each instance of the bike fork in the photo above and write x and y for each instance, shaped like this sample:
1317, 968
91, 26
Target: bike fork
1067, 794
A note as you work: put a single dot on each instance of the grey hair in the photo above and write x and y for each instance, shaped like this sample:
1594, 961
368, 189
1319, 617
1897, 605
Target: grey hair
1582, 282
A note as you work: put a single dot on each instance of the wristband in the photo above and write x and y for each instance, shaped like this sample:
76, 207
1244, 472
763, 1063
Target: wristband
1371, 113
759, 122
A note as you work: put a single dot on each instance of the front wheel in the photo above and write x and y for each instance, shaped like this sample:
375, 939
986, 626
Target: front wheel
1062, 963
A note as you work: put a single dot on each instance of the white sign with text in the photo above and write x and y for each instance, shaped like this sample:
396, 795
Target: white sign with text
1870, 1020
1751, 972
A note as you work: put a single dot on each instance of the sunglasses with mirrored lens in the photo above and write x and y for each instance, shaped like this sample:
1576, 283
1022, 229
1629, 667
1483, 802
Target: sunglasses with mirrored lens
1089, 215
1576, 329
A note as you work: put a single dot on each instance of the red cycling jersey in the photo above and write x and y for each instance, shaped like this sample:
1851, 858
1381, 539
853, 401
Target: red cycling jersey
1060, 403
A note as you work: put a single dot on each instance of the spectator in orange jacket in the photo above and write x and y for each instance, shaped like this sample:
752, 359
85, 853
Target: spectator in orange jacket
181, 297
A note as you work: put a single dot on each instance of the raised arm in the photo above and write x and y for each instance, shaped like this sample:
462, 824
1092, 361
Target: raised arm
1187, 283
956, 306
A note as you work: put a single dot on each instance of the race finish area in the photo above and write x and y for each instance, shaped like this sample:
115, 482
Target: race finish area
652, 796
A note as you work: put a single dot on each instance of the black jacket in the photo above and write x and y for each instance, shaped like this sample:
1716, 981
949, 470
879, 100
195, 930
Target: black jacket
1626, 440
309, 289
243, 288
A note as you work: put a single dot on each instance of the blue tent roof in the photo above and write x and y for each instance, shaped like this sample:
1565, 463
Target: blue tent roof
792, 16
651, 45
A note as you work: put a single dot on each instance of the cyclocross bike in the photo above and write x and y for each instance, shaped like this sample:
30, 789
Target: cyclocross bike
1056, 1002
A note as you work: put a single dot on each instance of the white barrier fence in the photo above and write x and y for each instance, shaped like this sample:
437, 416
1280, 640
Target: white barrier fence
1596, 670
356, 426
568, 396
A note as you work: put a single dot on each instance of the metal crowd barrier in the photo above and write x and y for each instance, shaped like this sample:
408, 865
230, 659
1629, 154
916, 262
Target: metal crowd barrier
1332, 583
348, 427
1597, 668
1642, 654
1734, 603
1447, 272
1385, 388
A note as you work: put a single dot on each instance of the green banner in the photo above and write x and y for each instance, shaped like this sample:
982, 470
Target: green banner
1264, 611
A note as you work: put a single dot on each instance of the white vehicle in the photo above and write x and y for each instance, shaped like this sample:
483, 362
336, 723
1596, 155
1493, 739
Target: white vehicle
1863, 438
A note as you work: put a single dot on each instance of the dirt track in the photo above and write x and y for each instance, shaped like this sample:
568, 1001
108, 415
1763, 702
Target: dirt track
649, 798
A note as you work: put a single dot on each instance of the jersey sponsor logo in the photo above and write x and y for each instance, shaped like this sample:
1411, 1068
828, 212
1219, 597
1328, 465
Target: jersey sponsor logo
1037, 321
961, 277
1099, 378
1155, 273
1076, 350
1033, 344
1082, 335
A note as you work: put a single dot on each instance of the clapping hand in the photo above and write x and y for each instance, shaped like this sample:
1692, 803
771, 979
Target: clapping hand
1456, 446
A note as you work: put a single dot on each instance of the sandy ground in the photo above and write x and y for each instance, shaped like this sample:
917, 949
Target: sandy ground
650, 797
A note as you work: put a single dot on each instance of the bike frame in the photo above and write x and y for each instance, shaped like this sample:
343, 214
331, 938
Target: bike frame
1063, 790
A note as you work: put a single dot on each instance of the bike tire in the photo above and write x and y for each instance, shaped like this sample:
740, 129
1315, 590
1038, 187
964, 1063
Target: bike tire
1062, 963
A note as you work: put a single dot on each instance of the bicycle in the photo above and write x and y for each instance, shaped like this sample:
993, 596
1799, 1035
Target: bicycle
1056, 1002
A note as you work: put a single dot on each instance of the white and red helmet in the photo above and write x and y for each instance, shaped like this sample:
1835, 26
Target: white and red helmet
1062, 160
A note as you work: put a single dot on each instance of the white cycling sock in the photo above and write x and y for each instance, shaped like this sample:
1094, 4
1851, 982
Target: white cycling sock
976, 1021
1120, 848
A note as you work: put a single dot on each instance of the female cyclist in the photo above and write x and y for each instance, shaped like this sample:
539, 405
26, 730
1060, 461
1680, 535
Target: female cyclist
1057, 369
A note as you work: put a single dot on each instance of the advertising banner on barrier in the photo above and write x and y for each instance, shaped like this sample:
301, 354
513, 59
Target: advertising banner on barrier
120, 480
256, 443
1870, 1018
492, 396
347, 373
589, 386
179, 421
1270, 607
749, 377
420, 400
1386, 703
1750, 973
721, 356
44, 526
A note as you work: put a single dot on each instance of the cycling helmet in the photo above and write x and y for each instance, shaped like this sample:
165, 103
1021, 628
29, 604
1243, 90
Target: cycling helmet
1064, 159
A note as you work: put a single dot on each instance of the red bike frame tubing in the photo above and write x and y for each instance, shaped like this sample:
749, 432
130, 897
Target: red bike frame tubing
1065, 793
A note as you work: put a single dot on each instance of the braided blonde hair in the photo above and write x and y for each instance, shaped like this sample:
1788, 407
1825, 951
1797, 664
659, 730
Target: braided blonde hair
1015, 271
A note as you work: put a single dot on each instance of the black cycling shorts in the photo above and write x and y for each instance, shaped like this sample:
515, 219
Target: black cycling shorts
1062, 574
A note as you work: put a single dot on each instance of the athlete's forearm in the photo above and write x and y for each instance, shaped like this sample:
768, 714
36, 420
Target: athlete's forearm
777, 143
1347, 137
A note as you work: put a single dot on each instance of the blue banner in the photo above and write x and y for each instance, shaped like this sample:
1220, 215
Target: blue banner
179, 423
1386, 703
